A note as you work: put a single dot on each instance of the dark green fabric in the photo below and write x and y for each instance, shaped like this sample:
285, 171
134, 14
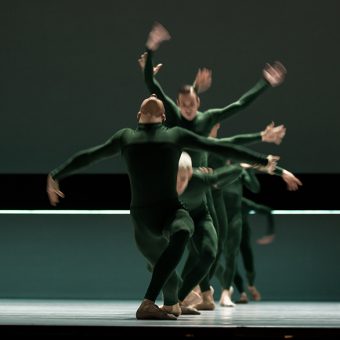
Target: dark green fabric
232, 195
204, 121
248, 205
151, 153
246, 247
203, 245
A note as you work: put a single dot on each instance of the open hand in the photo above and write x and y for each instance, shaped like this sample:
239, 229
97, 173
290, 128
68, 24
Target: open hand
53, 191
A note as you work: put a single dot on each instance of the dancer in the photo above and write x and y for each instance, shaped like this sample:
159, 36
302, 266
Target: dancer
270, 134
233, 197
151, 153
192, 185
246, 247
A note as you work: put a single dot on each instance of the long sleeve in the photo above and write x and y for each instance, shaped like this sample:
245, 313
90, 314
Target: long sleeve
237, 153
261, 209
278, 171
217, 115
250, 181
171, 109
89, 156
224, 175
246, 138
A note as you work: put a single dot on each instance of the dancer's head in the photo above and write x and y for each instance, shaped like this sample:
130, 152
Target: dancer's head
188, 102
184, 172
151, 110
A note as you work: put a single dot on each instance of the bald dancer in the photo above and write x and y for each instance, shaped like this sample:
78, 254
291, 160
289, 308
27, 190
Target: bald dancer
151, 153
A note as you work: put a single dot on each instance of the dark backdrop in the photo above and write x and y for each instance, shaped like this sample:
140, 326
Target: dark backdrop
69, 76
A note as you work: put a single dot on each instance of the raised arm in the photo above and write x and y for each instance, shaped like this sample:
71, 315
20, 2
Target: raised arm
246, 138
157, 35
273, 75
81, 160
271, 134
202, 80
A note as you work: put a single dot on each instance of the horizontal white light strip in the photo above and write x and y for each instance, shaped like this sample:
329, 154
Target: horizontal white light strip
127, 212
306, 212
65, 212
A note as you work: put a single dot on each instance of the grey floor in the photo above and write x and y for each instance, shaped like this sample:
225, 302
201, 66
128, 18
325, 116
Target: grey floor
122, 314
62, 319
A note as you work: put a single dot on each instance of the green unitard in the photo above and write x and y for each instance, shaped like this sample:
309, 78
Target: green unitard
201, 124
203, 244
215, 162
245, 246
233, 199
151, 152
216, 203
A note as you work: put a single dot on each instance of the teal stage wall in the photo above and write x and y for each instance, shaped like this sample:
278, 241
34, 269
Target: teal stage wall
94, 257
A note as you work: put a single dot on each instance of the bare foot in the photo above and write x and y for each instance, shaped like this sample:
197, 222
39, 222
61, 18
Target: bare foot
243, 298
254, 293
192, 298
225, 300
208, 302
188, 310
174, 309
148, 310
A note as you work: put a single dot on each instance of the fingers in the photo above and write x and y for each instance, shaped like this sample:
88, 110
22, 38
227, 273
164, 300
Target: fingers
279, 66
53, 196
280, 132
202, 80
272, 162
293, 183
157, 68
61, 194
157, 35
279, 129
273, 158
53, 202
272, 71
161, 31
143, 56
205, 71
276, 68
269, 68
275, 73
291, 187
142, 60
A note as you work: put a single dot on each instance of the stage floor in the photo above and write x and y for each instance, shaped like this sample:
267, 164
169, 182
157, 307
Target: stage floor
253, 320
